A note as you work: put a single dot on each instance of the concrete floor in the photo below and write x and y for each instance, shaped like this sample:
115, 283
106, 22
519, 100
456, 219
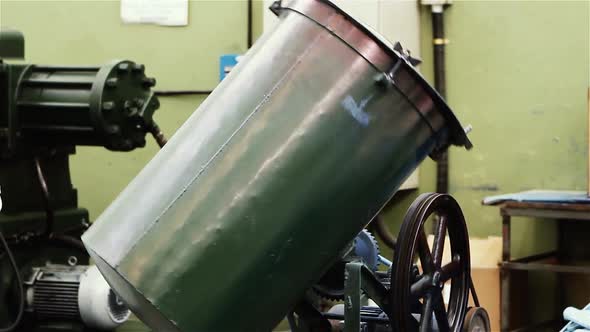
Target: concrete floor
133, 325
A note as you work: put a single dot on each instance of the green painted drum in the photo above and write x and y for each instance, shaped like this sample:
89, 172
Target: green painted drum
260, 190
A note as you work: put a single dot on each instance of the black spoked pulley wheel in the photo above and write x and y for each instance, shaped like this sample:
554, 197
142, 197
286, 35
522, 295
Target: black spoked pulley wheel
418, 275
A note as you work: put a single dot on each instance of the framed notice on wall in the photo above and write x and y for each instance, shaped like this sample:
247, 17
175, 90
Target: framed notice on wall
161, 12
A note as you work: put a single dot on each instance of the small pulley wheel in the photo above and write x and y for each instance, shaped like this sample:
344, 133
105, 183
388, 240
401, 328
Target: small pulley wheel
418, 275
477, 320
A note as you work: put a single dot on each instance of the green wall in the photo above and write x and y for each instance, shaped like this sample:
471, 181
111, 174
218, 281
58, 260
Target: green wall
518, 71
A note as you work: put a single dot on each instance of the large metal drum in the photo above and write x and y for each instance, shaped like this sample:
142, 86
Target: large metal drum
260, 190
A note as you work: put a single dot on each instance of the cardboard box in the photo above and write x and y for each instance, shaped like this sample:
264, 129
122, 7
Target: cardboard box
487, 287
486, 254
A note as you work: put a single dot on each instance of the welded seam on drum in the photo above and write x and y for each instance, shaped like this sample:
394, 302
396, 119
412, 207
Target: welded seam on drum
221, 148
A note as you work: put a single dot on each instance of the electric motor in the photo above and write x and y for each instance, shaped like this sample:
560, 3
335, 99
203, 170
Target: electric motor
74, 293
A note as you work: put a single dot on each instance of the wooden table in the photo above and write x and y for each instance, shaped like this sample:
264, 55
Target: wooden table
547, 261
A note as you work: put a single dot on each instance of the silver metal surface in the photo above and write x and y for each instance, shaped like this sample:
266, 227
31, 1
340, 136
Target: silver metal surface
304, 138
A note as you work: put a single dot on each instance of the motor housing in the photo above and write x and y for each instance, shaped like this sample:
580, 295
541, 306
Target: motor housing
62, 292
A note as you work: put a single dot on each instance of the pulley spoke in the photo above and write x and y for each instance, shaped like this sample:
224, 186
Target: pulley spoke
438, 246
424, 252
450, 270
440, 313
426, 317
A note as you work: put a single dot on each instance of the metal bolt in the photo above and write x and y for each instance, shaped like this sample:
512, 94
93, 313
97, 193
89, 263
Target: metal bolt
468, 129
381, 80
148, 82
436, 279
275, 7
140, 142
123, 67
113, 129
138, 102
72, 260
415, 272
127, 144
112, 82
130, 107
108, 105
138, 68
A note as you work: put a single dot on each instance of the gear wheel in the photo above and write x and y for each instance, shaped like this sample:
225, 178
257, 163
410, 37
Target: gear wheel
365, 247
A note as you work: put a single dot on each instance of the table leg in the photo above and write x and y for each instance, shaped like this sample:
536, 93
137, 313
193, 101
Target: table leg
505, 274
505, 236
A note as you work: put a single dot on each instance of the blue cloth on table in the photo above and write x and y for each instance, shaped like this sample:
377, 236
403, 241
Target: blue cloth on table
541, 196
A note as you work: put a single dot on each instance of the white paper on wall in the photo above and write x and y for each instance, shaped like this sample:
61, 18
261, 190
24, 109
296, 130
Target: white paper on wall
162, 12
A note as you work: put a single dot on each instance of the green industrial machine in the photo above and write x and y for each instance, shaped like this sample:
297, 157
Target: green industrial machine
45, 112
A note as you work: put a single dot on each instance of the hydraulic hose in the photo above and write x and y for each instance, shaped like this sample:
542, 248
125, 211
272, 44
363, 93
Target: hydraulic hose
19, 283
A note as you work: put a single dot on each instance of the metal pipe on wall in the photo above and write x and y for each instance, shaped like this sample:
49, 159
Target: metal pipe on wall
250, 34
439, 41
